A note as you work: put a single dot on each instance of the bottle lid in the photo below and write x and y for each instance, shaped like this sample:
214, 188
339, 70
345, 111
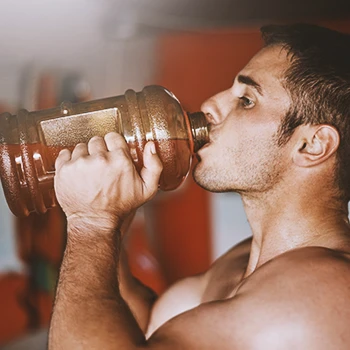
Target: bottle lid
199, 129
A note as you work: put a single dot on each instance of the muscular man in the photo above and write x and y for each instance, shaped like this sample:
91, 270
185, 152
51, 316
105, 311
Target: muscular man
279, 137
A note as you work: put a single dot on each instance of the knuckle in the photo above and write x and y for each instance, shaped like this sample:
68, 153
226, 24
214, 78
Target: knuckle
115, 138
159, 165
80, 162
80, 145
123, 160
113, 134
96, 139
63, 171
101, 158
63, 151
125, 163
118, 153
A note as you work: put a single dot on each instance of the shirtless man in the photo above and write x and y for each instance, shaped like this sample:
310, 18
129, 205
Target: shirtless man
279, 137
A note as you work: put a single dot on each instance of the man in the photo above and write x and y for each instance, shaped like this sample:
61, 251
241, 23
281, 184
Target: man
279, 137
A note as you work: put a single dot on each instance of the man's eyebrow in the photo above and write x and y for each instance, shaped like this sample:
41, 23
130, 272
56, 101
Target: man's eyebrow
245, 79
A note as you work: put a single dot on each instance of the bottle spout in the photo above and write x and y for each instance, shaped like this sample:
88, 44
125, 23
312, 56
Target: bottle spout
199, 130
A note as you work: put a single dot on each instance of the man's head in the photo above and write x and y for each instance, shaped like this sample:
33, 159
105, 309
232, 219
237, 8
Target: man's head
303, 74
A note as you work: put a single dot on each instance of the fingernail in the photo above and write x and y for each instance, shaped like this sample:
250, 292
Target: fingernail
153, 148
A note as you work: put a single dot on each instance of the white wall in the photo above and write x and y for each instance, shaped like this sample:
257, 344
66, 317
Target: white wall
8, 251
229, 222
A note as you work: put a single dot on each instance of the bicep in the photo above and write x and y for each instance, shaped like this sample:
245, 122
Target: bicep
208, 326
182, 296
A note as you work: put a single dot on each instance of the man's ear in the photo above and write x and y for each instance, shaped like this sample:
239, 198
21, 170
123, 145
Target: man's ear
316, 144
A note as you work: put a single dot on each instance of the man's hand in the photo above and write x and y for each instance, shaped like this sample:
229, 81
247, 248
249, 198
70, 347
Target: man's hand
98, 182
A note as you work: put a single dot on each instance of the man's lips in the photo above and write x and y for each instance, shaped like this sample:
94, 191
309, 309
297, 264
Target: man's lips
205, 146
211, 138
198, 154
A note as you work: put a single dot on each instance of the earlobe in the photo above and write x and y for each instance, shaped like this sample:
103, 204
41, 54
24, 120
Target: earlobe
317, 144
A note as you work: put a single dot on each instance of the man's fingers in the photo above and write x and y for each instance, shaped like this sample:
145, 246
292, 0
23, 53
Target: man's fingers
115, 141
63, 157
80, 150
97, 145
152, 168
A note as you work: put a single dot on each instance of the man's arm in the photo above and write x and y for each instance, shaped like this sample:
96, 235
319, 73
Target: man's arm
89, 312
138, 297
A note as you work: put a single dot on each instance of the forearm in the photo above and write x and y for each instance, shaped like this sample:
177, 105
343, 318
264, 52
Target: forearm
139, 298
89, 312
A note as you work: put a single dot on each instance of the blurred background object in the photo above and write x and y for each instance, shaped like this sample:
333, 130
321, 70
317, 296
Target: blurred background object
78, 50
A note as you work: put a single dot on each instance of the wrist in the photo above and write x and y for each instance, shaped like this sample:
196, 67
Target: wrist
95, 225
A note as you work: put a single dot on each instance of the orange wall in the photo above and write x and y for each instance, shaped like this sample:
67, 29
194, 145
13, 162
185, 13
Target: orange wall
196, 66
193, 67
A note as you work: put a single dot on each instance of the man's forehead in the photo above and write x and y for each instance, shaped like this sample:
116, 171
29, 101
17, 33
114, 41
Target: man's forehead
268, 65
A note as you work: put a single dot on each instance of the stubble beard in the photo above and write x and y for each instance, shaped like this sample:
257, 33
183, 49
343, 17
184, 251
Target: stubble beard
240, 174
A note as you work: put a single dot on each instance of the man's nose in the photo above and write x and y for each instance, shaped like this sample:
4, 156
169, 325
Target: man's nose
214, 108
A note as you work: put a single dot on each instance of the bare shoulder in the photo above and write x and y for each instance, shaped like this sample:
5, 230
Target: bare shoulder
298, 300
311, 276
305, 267
307, 291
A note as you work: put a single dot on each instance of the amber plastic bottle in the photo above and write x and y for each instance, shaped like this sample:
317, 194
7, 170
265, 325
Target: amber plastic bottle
30, 141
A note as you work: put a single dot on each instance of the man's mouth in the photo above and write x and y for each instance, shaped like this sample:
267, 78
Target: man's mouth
205, 146
211, 140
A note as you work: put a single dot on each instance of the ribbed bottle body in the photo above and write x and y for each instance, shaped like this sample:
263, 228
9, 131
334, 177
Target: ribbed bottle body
31, 141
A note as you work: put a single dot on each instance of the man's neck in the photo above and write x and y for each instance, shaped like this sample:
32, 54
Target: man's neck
289, 220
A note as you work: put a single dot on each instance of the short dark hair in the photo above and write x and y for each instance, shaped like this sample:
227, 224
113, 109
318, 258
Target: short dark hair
318, 81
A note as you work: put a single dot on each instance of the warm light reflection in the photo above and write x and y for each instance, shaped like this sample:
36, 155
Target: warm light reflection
36, 156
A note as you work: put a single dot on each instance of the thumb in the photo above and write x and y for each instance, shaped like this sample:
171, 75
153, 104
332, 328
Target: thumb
152, 168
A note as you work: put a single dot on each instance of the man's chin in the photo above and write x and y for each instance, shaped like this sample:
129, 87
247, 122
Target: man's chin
202, 178
197, 174
210, 180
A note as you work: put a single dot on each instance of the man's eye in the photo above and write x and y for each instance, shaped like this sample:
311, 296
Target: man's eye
246, 102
